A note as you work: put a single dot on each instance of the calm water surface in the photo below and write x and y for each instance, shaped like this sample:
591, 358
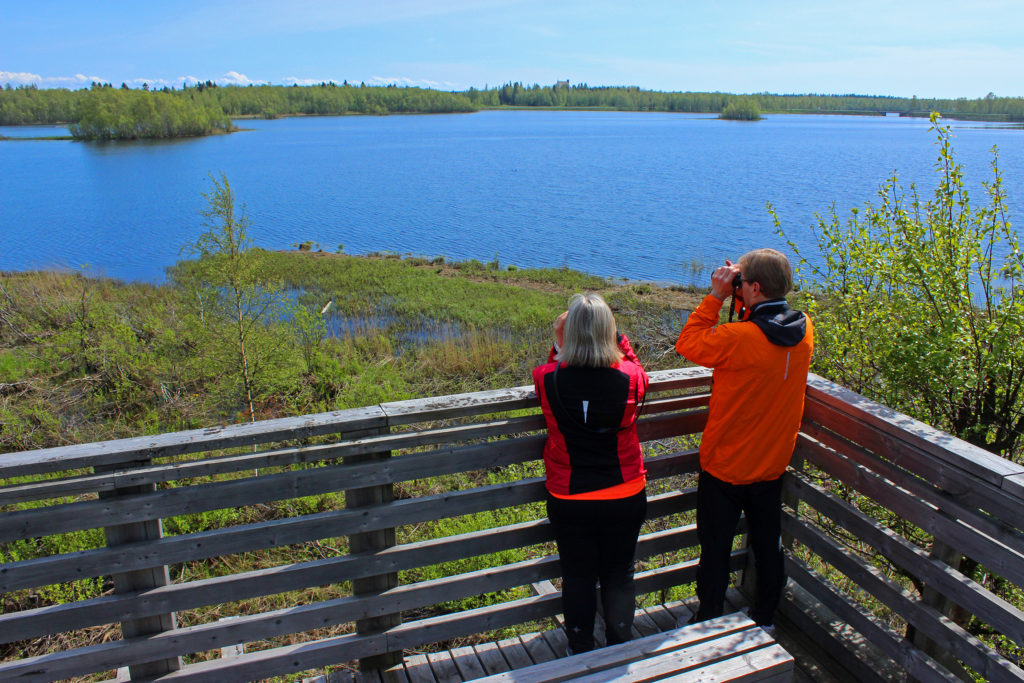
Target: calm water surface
633, 195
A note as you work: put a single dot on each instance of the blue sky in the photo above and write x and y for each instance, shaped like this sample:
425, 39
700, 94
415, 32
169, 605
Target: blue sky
929, 49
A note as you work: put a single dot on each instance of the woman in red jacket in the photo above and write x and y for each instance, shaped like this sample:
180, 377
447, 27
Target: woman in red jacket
591, 391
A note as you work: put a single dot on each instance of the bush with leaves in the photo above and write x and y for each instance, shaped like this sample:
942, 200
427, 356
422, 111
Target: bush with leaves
919, 304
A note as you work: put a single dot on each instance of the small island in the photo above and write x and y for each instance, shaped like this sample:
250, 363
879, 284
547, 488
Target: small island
109, 114
741, 109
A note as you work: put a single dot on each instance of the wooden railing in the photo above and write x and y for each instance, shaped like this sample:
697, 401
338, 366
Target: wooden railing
476, 454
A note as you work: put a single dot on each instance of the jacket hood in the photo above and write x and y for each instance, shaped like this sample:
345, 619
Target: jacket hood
781, 324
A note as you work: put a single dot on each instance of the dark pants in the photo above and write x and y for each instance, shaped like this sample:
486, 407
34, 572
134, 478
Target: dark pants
596, 543
718, 512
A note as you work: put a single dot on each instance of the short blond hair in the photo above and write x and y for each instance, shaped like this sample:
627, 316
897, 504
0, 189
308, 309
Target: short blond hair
589, 338
770, 269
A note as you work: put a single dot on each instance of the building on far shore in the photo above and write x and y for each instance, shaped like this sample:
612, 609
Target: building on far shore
561, 84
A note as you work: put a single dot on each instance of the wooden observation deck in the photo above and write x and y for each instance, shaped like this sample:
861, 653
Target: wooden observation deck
442, 545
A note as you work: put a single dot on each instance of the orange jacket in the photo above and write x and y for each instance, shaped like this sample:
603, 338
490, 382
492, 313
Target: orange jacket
757, 391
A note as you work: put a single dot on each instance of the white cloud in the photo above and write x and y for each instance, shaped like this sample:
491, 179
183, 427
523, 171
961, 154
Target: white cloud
293, 80
235, 78
20, 78
412, 82
25, 78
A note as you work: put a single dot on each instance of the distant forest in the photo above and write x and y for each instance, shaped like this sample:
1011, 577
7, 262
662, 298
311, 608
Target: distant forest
105, 112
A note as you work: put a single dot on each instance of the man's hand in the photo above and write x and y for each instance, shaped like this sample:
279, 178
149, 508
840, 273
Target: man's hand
721, 280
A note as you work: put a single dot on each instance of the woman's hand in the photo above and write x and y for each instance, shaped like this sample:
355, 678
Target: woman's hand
559, 328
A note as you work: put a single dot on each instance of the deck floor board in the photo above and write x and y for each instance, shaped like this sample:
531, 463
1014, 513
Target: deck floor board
491, 658
467, 663
515, 653
444, 668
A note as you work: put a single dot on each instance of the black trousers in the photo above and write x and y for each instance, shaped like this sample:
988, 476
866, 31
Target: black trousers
597, 543
719, 504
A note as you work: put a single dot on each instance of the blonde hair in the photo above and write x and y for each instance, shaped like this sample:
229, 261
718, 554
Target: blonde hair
589, 338
770, 269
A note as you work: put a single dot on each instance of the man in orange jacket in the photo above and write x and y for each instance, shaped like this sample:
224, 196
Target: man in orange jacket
757, 400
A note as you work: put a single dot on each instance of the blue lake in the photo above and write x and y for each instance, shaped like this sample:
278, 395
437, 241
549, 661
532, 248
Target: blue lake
632, 195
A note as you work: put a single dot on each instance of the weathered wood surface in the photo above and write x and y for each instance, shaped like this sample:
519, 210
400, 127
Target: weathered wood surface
233, 587
657, 656
179, 443
911, 659
957, 506
266, 488
1002, 615
409, 635
358, 443
274, 533
1003, 560
896, 455
177, 597
950, 636
370, 417
135, 626
971, 459
241, 538
367, 542
937, 483
300, 618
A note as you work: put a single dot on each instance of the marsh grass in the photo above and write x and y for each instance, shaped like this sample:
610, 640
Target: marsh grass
89, 359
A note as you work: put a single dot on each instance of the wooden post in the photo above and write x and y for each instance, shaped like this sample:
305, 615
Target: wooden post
934, 598
141, 579
368, 542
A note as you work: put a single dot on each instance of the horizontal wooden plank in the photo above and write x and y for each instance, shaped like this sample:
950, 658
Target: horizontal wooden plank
304, 426
674, 403
191, 441
357, 444
909, 657
926, 619
43, 521
296, 619
770, 664
678, 650
989, 608
679, 378
950, 449
295, 658
178, 597
181, 596
963, 506
274, 533
996, 556
672, 425
459, 405
1014, 485
890, 454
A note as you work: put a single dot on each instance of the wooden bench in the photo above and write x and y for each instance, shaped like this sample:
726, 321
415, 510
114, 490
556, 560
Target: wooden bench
729, 648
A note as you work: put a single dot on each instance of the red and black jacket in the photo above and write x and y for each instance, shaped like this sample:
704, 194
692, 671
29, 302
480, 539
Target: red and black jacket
591, 418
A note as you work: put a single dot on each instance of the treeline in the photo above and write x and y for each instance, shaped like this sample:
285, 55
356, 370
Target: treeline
122, 110
636, 99
270, 101
105, 112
